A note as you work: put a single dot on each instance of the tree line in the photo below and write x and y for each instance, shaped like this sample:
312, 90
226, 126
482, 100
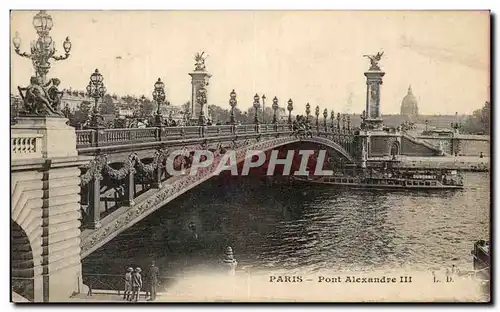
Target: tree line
479, 122
146, 109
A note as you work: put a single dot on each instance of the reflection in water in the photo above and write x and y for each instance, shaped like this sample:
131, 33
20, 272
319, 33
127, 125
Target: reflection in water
281, 226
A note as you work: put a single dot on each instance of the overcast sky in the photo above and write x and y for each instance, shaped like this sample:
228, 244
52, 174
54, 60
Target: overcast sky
309, 56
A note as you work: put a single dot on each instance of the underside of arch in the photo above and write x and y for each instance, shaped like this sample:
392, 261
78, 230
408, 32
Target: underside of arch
92, 240
22, 262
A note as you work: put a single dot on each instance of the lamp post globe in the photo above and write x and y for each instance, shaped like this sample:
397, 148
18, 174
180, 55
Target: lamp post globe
96, 77
16, 41
67, 45
42, 22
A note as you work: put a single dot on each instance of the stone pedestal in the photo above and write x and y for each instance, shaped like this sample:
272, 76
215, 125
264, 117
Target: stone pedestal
46, 202
373, 111
198, 79
59, 139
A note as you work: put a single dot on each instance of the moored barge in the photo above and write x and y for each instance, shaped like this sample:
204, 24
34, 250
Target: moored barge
398, 180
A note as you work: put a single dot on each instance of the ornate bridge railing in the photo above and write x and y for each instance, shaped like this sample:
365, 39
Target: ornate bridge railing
109, 137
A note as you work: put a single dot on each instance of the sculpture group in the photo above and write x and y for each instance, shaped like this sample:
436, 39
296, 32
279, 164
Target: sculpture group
42, 99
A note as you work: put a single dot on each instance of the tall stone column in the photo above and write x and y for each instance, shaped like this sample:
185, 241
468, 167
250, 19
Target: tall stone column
373, 83
56, 209
199, 79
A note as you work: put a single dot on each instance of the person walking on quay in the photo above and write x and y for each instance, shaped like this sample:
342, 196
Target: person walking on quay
153, 280
136, 284
128, 284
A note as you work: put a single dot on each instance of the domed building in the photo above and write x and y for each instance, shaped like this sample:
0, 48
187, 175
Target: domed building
409, 105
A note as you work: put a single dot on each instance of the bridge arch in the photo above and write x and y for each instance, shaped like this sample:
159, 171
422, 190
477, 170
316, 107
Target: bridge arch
179, 185
26, 231
23, 264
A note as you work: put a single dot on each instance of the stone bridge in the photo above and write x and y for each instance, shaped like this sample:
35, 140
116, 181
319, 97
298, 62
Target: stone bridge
118, 193
74, 191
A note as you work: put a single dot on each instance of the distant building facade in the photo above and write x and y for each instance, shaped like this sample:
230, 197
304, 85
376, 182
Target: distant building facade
73, 98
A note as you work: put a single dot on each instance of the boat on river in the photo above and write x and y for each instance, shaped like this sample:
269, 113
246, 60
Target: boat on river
481, 259
394, 180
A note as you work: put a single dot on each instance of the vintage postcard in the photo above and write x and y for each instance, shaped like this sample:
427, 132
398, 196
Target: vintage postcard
250, 156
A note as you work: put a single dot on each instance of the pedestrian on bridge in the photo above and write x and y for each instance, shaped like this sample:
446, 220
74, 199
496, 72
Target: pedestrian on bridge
128, 284
136, 284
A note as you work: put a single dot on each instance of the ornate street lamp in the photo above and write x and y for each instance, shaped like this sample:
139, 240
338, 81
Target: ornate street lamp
343, 121
159, 97
338, 121
202, 100
348, 122
263, 108
316, 112
232, 103
275, 108
256, 106
332, 117
325, 117
308, 110
96, 90
290, 109
43, 49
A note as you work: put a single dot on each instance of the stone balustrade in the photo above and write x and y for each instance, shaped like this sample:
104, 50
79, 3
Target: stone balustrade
26, 145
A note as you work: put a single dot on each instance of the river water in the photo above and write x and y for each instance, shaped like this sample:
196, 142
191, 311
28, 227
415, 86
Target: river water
275, 226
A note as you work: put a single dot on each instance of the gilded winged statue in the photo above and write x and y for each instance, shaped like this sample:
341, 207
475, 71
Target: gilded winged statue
374, 59
200, 61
